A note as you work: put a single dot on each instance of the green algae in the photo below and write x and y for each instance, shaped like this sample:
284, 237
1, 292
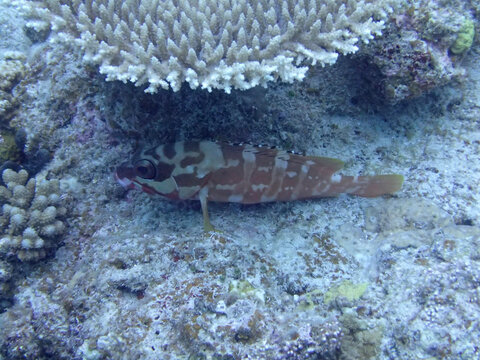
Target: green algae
346, 289
9, 150
464, 39
243, 288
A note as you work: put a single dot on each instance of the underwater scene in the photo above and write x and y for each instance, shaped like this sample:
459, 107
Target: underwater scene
239, 179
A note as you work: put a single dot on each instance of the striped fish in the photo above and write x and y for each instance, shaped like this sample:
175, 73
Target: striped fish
243, 173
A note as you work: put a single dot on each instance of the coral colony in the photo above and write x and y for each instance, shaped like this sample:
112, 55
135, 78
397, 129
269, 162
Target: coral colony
214, 44
30, 219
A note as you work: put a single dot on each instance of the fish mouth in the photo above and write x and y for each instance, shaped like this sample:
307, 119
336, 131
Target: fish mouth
124, 182
121, 176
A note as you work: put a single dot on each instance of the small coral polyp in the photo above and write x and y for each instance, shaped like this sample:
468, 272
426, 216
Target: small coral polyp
30, 218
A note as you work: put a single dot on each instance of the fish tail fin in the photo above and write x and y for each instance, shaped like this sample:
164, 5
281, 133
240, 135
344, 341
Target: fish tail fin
377, 185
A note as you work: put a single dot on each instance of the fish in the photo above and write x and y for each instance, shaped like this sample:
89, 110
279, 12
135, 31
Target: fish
243, 173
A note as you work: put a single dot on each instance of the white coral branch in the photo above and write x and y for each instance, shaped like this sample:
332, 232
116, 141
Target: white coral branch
212, 43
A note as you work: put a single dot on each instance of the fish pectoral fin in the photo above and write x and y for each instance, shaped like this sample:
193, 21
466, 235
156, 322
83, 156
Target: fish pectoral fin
325, 162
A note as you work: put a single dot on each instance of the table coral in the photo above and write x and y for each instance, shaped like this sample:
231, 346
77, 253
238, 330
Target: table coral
213, 44
30, 216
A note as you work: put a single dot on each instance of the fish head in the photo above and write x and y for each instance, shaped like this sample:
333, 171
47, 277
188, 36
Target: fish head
149, 175
176, 171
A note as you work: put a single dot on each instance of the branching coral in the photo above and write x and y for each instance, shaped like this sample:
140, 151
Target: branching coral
213, 43
30, 216
12, 69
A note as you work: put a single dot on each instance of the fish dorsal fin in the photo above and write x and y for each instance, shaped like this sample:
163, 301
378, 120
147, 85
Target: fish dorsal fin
331, 164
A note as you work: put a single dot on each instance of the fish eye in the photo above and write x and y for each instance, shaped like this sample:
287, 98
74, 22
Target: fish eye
145, 169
